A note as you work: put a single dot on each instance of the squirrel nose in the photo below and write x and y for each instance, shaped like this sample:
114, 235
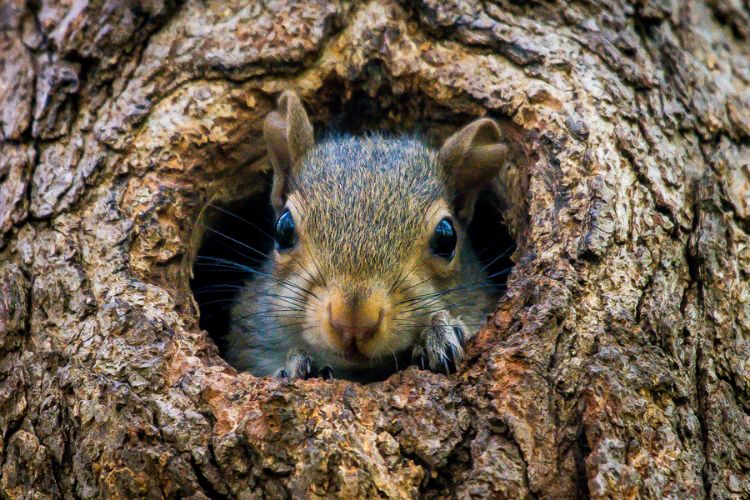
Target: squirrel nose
354, 333
355, 321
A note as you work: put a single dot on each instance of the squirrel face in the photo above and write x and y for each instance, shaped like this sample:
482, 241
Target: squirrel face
372, 229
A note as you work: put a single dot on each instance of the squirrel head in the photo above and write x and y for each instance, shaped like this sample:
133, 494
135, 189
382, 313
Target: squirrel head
372, 229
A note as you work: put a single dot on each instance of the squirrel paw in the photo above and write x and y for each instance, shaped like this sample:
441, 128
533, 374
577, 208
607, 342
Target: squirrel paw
303, 366
440, 347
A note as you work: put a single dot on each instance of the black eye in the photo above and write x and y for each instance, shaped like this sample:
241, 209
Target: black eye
285, 235
443, 241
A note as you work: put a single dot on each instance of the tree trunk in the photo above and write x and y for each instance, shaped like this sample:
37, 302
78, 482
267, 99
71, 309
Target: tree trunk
617, 363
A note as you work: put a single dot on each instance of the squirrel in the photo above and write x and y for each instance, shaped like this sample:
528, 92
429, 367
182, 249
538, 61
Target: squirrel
372, 268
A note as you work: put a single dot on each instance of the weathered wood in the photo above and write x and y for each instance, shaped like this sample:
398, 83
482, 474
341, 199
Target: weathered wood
617, 364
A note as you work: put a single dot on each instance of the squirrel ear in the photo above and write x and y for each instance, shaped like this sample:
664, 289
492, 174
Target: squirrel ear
288, 135
470, 159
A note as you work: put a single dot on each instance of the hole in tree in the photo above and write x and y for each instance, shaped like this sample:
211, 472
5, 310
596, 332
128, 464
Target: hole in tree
238, 239
492, 242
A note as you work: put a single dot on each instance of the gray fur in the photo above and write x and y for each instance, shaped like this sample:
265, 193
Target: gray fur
368, 196
365, 202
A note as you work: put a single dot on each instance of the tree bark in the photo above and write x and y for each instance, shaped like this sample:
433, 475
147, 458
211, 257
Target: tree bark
617, 363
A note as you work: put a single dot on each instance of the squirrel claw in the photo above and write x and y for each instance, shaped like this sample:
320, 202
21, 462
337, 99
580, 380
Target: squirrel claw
440, 348
300, 366
326, 373
419, 358
460, 331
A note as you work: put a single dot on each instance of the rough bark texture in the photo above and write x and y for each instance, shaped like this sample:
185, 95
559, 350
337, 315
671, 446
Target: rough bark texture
617, 364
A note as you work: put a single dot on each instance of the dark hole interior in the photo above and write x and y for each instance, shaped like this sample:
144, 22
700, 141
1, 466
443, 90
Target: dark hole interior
238, 241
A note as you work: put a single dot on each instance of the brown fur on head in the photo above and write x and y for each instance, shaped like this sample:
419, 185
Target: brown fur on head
364, 210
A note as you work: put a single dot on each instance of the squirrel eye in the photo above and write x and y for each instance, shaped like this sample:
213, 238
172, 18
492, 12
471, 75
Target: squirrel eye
443, 241
285, 235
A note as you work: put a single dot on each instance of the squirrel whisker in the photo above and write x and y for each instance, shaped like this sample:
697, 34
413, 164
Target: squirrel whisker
234, 265
249, 247
471, 285
429, 298
402, 277
501, 256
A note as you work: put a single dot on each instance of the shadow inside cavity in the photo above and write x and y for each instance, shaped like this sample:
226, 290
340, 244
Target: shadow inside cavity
240, 235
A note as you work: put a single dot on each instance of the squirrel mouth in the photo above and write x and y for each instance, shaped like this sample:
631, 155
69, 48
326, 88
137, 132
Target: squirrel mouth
352, 352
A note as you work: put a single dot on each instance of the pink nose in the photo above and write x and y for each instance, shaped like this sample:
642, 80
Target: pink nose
355, 317
358, 333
